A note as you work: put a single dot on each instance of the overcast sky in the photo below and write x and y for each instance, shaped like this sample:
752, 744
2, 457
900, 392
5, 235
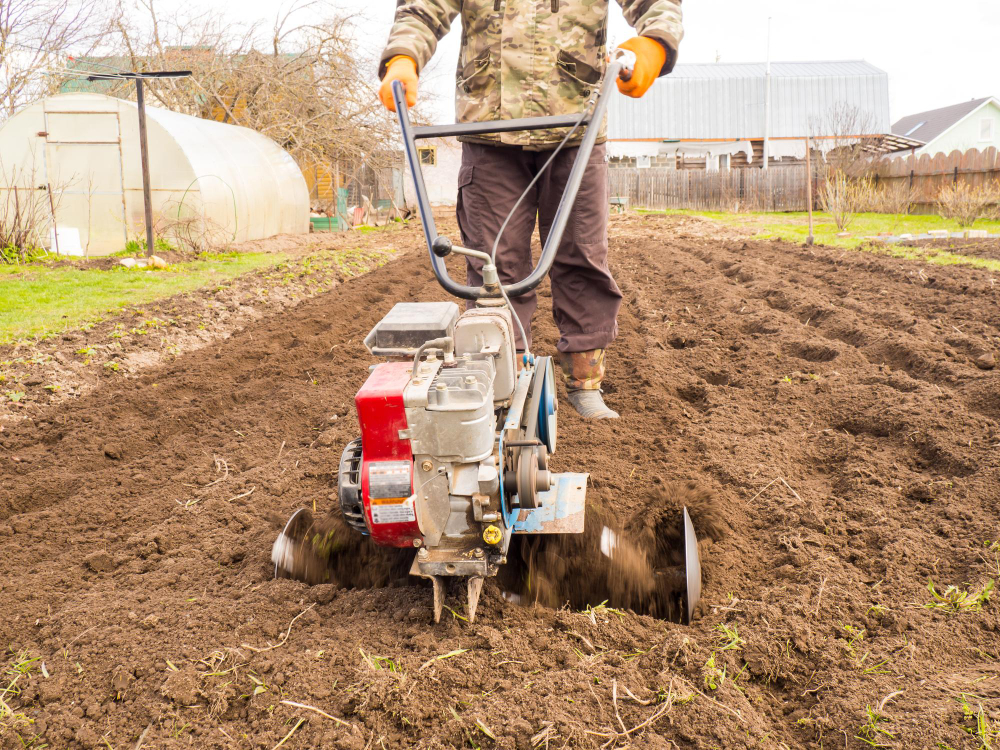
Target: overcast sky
936, 53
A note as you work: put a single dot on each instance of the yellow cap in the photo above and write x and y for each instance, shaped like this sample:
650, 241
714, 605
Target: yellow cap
492, 535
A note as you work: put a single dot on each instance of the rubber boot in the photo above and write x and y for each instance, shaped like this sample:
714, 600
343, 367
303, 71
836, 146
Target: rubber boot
590, 405
584, 373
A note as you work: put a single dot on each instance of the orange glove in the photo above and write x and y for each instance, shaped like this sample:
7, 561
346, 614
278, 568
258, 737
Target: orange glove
650, 57
399, 68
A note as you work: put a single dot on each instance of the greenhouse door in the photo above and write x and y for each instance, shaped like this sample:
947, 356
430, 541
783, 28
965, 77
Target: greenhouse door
83, 165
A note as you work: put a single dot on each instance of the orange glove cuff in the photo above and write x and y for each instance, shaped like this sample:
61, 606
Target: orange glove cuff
401, 68
397, 58
650, 57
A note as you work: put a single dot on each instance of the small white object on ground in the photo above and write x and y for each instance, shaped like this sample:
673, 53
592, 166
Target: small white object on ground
68, 241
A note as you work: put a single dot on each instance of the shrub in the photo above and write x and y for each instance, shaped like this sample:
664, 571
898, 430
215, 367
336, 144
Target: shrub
843, 198
895, 198
24, 217
966, 204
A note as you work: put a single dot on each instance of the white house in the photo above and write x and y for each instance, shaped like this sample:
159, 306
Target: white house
440, 159
960, 127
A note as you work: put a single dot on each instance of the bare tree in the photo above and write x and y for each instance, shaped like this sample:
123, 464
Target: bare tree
849, 138
36, 37
298, 81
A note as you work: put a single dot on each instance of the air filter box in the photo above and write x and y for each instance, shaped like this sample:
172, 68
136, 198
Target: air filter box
410, 324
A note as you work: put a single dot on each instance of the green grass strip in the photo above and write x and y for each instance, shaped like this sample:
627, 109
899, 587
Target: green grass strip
794, 227
40, 300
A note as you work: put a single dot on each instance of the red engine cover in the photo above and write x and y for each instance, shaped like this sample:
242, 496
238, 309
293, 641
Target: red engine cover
387, 461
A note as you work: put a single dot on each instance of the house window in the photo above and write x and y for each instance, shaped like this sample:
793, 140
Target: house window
427, 156
986, 129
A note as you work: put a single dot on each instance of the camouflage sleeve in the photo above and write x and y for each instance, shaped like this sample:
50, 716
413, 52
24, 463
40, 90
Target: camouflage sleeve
418, 26
659, 20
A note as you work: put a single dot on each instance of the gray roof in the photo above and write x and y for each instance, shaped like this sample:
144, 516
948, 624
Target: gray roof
726, 101
926, 126
818, 68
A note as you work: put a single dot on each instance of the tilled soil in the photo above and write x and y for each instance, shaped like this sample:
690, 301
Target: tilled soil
831, 404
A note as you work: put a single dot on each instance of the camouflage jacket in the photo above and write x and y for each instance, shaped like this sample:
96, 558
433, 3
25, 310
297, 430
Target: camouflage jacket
526, 58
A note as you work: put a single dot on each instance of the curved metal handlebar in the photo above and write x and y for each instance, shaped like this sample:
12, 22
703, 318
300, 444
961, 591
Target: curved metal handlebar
436, 244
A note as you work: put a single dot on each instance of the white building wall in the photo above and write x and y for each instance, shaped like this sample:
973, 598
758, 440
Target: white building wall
726, 101
441, 180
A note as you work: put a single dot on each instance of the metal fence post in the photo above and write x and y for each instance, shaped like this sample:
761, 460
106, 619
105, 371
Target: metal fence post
147, 200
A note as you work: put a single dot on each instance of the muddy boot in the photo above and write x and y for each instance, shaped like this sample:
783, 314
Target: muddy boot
590, 405
584, 373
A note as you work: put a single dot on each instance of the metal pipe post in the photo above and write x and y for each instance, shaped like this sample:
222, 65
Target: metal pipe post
144, 153
809, 190
767, 101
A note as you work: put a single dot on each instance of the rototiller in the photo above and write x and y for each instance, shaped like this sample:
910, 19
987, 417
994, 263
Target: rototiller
456, 427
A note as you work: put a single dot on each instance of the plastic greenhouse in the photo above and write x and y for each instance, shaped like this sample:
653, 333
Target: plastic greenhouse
76, 156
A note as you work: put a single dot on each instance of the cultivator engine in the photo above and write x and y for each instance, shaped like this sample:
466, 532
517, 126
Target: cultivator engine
454, 447
457, 427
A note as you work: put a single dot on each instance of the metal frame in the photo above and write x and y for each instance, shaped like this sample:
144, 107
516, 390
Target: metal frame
140, 101
561, 218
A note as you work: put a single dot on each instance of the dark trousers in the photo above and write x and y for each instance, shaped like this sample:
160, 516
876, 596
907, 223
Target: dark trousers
585, 299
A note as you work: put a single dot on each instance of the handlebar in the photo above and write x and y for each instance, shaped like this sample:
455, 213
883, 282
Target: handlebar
438, 246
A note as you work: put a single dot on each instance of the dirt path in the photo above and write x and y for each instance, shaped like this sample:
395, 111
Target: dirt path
831, 401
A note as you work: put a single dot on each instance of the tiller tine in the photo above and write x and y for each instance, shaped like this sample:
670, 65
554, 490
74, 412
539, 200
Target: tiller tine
474, 588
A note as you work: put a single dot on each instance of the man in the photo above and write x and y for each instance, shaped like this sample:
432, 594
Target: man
532, 58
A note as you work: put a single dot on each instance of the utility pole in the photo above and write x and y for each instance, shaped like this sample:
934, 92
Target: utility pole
809, 190
140, 100
767, 99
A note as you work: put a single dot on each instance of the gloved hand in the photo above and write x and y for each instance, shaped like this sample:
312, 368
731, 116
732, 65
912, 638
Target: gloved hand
650, 56
400, 68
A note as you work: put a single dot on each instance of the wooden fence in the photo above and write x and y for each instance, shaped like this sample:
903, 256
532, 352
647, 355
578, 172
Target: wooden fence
776, 189
927, 174
784, 188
